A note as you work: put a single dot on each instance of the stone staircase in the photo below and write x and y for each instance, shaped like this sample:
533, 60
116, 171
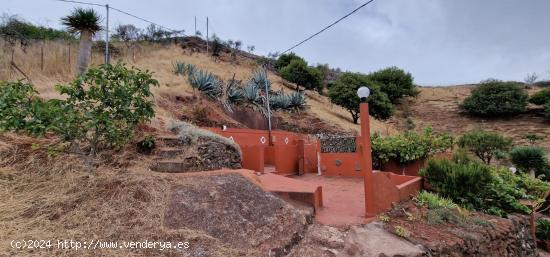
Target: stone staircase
170, 155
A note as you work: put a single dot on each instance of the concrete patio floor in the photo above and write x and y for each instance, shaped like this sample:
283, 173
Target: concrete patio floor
343, 199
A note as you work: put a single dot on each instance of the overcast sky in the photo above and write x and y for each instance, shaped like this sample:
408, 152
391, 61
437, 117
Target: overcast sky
441, 42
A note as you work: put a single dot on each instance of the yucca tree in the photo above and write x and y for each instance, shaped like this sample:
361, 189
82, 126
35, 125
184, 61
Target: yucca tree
86, 22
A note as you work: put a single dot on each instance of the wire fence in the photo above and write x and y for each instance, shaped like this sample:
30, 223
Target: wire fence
58, 57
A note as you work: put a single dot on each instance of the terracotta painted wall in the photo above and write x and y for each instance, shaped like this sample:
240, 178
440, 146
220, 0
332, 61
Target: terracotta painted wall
392, 188
253, 158
341, 164
411, 169
286, 158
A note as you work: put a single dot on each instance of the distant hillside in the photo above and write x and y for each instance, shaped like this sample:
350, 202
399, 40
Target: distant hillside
438, 107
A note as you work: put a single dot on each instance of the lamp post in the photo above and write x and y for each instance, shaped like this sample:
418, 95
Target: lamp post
366, 158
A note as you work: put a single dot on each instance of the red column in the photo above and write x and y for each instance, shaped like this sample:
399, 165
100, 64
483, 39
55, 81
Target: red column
366, 161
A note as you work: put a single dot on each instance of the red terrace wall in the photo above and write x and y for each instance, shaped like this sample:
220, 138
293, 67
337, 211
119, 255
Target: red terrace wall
286, 158
310, 157
411, 169
391, 188
341, 164
253, 158
289, 153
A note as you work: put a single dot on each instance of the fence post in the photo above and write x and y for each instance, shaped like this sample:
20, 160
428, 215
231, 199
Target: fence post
69, 45
42, 56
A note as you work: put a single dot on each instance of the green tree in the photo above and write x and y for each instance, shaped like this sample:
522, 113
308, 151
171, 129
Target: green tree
530, 159
343, 92
298, 72
495, 98
86, 22
395, 82
485, 144
285, 59
104, 105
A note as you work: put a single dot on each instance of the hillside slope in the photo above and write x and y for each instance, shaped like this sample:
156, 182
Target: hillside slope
175, 98
438, 107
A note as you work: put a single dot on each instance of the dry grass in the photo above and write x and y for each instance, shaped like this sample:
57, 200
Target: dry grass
159, 59
54, 198
438, 107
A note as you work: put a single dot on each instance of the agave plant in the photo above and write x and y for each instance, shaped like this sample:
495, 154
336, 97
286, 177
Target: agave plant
260, 79
233, 95
190, 68
179, 68
206, 82
279, 101
297, 100
251, 93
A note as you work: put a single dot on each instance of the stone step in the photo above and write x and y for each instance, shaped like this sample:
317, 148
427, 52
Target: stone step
169, 166
171, 141
169, 152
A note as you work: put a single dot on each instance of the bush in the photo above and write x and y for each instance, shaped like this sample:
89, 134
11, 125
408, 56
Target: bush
343, 92
409, 146
495, 98
530, 159
298, 72
434, 201
395, 82
147, 145
485, 144
16, 100
546, 111
541, 97
105, 104
495, 191
543, 229
285, 59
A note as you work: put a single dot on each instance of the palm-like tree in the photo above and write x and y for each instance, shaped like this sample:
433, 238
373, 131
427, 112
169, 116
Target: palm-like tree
86, 22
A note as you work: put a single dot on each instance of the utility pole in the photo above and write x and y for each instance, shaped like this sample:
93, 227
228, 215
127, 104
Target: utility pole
195, 26
206, 35
107, 36
268, 111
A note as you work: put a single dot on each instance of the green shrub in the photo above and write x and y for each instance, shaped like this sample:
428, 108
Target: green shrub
484, 144
495, 98
15, 28
481, 187
530, 159
546, 111
434, 201
147, 145
285, 59
298, 72
543, 229
343, 92
395, 82
16, 100
541, 97
105, 104
533, 138
409, 146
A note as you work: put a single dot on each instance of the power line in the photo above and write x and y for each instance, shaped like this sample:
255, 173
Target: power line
78, 2
142, 19
330, 25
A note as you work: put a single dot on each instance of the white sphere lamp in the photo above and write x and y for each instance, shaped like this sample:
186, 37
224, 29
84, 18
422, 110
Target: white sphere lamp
363, 93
